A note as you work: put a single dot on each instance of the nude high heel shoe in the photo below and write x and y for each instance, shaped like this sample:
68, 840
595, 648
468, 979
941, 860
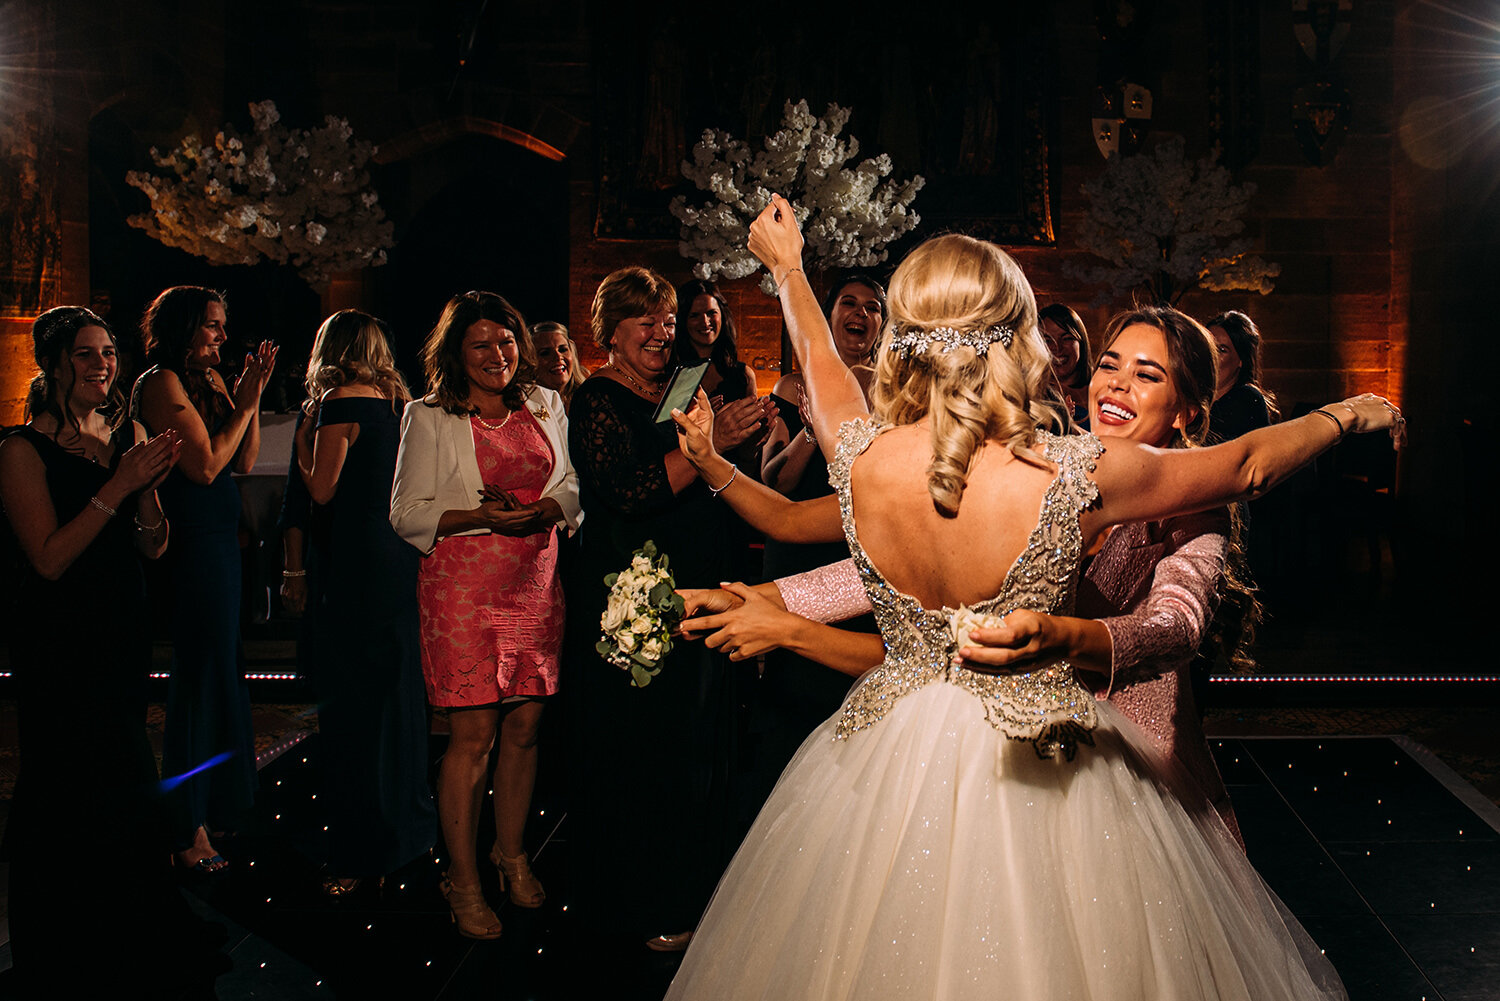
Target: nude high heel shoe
470, 913
525, 889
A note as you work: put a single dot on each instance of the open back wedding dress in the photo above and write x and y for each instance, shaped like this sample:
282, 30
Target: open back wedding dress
952, 835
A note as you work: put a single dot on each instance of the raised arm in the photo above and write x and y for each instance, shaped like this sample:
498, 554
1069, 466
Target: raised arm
832, 390
1141, 483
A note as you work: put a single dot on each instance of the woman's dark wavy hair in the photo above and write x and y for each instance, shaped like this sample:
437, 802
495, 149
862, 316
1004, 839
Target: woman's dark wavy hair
442, 353
52, 337
725, 351
168, 328
1072, 325
1191, 355
1244, 335
873, 284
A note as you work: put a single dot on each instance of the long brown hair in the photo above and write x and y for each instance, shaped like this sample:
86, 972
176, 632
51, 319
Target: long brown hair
52, 337
1244, 337
168, 328
442, 354
1191, 354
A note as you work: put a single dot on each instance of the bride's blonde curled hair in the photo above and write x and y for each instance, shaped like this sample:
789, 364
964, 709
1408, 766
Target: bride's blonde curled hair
970, 396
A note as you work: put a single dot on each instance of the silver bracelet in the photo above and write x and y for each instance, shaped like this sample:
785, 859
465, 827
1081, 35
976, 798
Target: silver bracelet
142, 526
294, 573
94, 500
735, 471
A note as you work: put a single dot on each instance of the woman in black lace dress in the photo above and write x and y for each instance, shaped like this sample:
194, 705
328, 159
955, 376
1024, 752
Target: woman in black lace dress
651, 770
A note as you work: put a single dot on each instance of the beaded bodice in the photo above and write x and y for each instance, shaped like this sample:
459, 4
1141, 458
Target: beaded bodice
1046, 705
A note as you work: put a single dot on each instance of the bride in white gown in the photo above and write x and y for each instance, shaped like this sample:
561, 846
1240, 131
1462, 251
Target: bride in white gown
951, 834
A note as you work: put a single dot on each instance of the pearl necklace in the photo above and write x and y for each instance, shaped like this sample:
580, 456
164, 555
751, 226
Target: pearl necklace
494, 427
653, 393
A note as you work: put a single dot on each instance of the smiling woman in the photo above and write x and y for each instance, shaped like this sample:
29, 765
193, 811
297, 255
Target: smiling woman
482, 479
636, 485
208, 702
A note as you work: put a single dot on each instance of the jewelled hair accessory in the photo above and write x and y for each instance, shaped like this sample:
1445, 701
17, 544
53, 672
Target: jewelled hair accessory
914, 340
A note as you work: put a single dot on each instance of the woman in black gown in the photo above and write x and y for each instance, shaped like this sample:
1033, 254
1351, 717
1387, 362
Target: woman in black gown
78, 487
209, 743
652, 765
362, 584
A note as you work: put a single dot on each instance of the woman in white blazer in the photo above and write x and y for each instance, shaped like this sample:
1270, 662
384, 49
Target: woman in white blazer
482, 479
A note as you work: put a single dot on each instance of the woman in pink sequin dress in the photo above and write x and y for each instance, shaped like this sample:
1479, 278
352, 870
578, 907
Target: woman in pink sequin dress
1146, 603
482, 479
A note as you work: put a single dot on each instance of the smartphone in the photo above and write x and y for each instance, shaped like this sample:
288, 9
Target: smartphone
681, 389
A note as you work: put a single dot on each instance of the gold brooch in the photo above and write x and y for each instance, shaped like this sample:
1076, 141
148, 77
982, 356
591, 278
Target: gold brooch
540, 413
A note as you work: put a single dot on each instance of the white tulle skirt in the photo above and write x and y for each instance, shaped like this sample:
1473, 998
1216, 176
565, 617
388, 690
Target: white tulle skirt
930, 857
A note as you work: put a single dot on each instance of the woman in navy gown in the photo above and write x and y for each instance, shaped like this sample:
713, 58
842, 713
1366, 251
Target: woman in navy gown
372, 713
208, 745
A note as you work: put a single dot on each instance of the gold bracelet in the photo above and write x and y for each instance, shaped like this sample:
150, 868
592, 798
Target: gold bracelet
782, 284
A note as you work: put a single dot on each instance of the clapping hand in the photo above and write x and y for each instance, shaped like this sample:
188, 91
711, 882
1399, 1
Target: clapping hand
145, 464
256, 375
743, 420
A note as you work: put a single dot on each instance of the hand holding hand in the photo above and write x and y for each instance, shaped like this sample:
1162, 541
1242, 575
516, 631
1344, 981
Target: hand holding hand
504, 498
749, 630
775, 239
503, 515
709, 600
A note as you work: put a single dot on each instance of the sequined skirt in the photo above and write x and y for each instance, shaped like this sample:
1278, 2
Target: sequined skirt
928, 856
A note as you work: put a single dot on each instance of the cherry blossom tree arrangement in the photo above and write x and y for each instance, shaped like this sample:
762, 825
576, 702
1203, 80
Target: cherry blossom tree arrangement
848, 214
286, 195
1166, 224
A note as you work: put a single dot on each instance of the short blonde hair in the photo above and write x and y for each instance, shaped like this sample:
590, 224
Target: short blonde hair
627, 293
971, 397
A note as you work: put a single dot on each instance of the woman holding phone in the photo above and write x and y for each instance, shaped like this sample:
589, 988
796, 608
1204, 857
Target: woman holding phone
653, 763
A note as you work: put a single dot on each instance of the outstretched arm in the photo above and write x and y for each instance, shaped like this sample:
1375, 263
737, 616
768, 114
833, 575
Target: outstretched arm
757, 625
832, 390
1141, 483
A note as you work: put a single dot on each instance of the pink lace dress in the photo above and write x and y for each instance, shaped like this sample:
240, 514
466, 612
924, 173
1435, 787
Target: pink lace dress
492, 605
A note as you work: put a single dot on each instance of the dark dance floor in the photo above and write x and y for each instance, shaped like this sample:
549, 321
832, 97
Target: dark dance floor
1388, 858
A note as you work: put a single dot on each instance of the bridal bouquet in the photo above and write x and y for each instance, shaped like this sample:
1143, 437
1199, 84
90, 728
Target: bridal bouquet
644, 607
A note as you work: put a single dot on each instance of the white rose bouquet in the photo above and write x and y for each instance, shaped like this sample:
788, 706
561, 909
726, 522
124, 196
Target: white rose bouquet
644, 607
